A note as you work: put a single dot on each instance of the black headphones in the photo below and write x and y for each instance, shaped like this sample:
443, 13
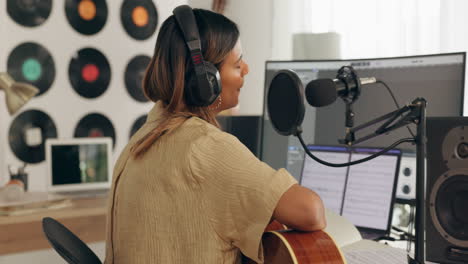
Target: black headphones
204, 85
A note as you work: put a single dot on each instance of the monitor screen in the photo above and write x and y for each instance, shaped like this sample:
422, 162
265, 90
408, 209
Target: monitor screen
437, 78
363, 193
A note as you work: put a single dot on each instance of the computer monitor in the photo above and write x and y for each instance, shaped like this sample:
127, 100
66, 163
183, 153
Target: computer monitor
440, 79
79, 164
363, 193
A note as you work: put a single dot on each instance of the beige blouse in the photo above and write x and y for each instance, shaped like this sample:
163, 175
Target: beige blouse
197, 196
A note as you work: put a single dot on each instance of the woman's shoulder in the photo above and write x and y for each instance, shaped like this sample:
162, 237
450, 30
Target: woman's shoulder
202, 130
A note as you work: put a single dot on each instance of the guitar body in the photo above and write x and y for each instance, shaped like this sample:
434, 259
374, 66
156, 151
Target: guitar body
283, 246
295, 247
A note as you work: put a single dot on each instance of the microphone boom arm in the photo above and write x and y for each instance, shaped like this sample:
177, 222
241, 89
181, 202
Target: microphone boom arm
412, 109
416, 114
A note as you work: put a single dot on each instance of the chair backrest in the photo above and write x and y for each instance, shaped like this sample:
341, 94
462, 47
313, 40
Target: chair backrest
67, 244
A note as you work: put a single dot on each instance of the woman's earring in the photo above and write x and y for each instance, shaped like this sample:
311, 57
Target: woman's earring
220, 100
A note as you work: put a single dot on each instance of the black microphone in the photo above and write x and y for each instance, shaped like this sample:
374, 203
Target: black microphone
323, 92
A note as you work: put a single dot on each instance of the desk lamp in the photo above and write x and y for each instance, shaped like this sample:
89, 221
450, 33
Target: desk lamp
16, 93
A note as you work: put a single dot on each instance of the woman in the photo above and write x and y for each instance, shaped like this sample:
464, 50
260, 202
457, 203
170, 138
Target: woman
184, 191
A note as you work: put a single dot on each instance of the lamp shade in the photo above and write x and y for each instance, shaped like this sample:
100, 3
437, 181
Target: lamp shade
16, 93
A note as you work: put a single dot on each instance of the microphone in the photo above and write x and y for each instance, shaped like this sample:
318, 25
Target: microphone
323, 92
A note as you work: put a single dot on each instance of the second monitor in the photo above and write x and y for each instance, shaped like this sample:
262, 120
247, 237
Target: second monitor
440, 79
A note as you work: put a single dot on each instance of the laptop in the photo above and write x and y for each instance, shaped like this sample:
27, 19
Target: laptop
79, 167
362, 193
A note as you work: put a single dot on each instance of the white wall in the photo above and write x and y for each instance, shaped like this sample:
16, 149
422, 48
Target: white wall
254, 19
281, 40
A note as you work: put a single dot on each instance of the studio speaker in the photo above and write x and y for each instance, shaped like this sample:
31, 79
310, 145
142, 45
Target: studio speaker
246, 128
447, 190
406, 187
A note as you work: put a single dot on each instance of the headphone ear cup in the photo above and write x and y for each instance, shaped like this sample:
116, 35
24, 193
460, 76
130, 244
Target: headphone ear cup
206, 94
190, 88
214, 79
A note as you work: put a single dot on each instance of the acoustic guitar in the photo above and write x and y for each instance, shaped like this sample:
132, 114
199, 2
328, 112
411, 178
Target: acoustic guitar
283, 246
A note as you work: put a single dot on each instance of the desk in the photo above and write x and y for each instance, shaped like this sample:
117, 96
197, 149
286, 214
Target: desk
86, 218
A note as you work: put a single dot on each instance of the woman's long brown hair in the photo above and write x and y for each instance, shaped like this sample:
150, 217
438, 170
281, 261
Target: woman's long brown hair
170, 68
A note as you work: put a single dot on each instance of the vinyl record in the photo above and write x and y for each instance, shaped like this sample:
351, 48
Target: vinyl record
134, 74
95, 125
86, 16
27, 135
139, 18
89, 73
29, 13
137, 124
31, 63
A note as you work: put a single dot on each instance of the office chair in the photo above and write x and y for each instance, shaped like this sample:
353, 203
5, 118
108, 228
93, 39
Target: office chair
67, 244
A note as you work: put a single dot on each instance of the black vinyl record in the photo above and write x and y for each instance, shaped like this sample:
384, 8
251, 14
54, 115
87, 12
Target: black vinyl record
95, 125
29, 13
89, 73
86, 16
31, 63
139, 18
134, 74
27, 135
137, 124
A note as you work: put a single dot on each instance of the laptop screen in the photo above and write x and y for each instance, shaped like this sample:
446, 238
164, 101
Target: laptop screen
79, 164
362, 193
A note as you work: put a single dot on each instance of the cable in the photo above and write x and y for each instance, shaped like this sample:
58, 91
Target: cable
404, 235
395, 101
337, 165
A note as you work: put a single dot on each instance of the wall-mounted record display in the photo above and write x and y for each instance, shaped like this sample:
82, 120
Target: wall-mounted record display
139, 18
86, 16
137, 124
89, 73
29, 13
31, 63
134, 74
27, 135
95, 125
96, 68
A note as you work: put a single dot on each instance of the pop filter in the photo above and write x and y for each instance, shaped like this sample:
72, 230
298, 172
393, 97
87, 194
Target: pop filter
285, 103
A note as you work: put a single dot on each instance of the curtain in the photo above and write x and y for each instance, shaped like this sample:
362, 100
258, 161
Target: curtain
374, 28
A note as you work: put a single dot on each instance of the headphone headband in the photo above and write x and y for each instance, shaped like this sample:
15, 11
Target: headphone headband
206, 87
187, 23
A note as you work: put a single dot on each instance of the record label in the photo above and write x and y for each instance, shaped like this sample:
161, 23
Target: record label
29, 13
87, 10
134, 74
139, 18
32, 69
87, 17
89, 73
31, 63
27, 135
138, 124
95, 125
